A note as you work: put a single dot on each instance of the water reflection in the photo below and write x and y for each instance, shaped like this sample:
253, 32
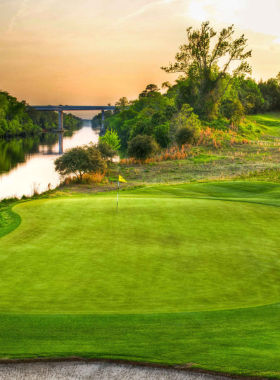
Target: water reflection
28, 161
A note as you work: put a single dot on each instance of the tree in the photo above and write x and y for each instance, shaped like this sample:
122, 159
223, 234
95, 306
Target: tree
270, 91
4, 105
278, 78
200, 64
185, 127
166, 84
106, 150
150, 91
121, 105
111, 138
233, 110
79, 161
186, 118
142, 147
123, 102
162, 134
186, 135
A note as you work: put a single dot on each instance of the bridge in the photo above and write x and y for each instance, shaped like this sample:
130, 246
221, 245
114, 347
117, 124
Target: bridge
60, 110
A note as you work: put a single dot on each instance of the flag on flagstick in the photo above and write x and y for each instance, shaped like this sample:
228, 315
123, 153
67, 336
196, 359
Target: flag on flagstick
121, 179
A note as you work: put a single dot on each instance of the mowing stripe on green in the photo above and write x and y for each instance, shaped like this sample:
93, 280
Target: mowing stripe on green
175, 277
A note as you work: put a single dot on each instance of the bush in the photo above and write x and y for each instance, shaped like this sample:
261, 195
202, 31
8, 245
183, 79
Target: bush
186, 135
185, 119
111, 138
80, 160
142, 147
161, 133
106, 150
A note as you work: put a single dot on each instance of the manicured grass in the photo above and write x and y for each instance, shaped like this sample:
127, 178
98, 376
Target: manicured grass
8, 219
242, 341
270, 119
181, 274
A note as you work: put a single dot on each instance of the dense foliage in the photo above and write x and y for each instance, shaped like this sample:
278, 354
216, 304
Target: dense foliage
17, 118
80, 160
106, 150
142, 147
112, 139
213, 95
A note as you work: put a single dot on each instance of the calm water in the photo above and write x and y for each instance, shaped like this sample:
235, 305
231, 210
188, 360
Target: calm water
29, 161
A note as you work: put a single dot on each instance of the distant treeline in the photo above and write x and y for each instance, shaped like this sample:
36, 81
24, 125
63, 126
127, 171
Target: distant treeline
214, 95
17, 118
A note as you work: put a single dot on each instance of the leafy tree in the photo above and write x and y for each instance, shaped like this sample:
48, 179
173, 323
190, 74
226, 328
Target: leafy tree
169, 111
162, 134
186, 135
106, 150
111, 138
142, 147
150, 91
167, 85
278, 78
250, 95
200, 64
121, 105
79, 161
4, 105
186, 118
270, 91
233, 110
123, 102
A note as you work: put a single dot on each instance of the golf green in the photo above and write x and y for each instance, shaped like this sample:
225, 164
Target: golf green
170, 256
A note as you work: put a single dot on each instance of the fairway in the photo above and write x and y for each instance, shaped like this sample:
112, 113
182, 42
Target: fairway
170, 257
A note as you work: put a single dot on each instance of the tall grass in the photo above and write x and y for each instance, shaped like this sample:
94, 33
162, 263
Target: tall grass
87, 178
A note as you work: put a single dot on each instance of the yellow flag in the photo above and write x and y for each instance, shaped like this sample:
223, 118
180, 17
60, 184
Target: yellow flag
121, 179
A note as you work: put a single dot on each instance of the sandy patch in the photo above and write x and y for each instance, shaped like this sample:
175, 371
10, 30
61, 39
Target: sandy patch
96, 371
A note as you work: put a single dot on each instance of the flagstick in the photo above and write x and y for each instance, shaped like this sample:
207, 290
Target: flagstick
118, 196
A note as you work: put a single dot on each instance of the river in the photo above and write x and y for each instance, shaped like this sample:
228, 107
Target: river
28, 162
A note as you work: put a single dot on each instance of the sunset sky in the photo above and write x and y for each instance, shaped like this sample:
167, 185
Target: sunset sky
92, 52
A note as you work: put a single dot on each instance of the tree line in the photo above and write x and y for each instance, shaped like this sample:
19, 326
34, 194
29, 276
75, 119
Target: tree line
205, 93
18, 118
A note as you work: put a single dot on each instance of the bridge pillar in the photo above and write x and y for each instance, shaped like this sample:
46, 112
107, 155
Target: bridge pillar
60, 119
60, 143
103, 118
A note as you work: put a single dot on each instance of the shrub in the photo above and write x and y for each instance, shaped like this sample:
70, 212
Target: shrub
80, 160
111, 138
186, 118
142, 147
106, 150
186, 135
161, 133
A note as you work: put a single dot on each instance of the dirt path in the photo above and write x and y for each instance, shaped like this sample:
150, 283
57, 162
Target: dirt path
96, 371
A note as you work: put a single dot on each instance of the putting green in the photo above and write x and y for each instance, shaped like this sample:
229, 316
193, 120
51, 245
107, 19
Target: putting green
157, 255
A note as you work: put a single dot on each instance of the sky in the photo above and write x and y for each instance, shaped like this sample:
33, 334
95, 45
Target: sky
92, 52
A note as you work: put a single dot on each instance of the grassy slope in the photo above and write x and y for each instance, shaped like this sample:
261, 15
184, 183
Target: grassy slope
9, 220
267, 120
238, 341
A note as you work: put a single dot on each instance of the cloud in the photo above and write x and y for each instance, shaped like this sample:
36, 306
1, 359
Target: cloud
22, 8
244, 14
145, 8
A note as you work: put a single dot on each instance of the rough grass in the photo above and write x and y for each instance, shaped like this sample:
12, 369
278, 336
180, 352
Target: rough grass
151, 283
